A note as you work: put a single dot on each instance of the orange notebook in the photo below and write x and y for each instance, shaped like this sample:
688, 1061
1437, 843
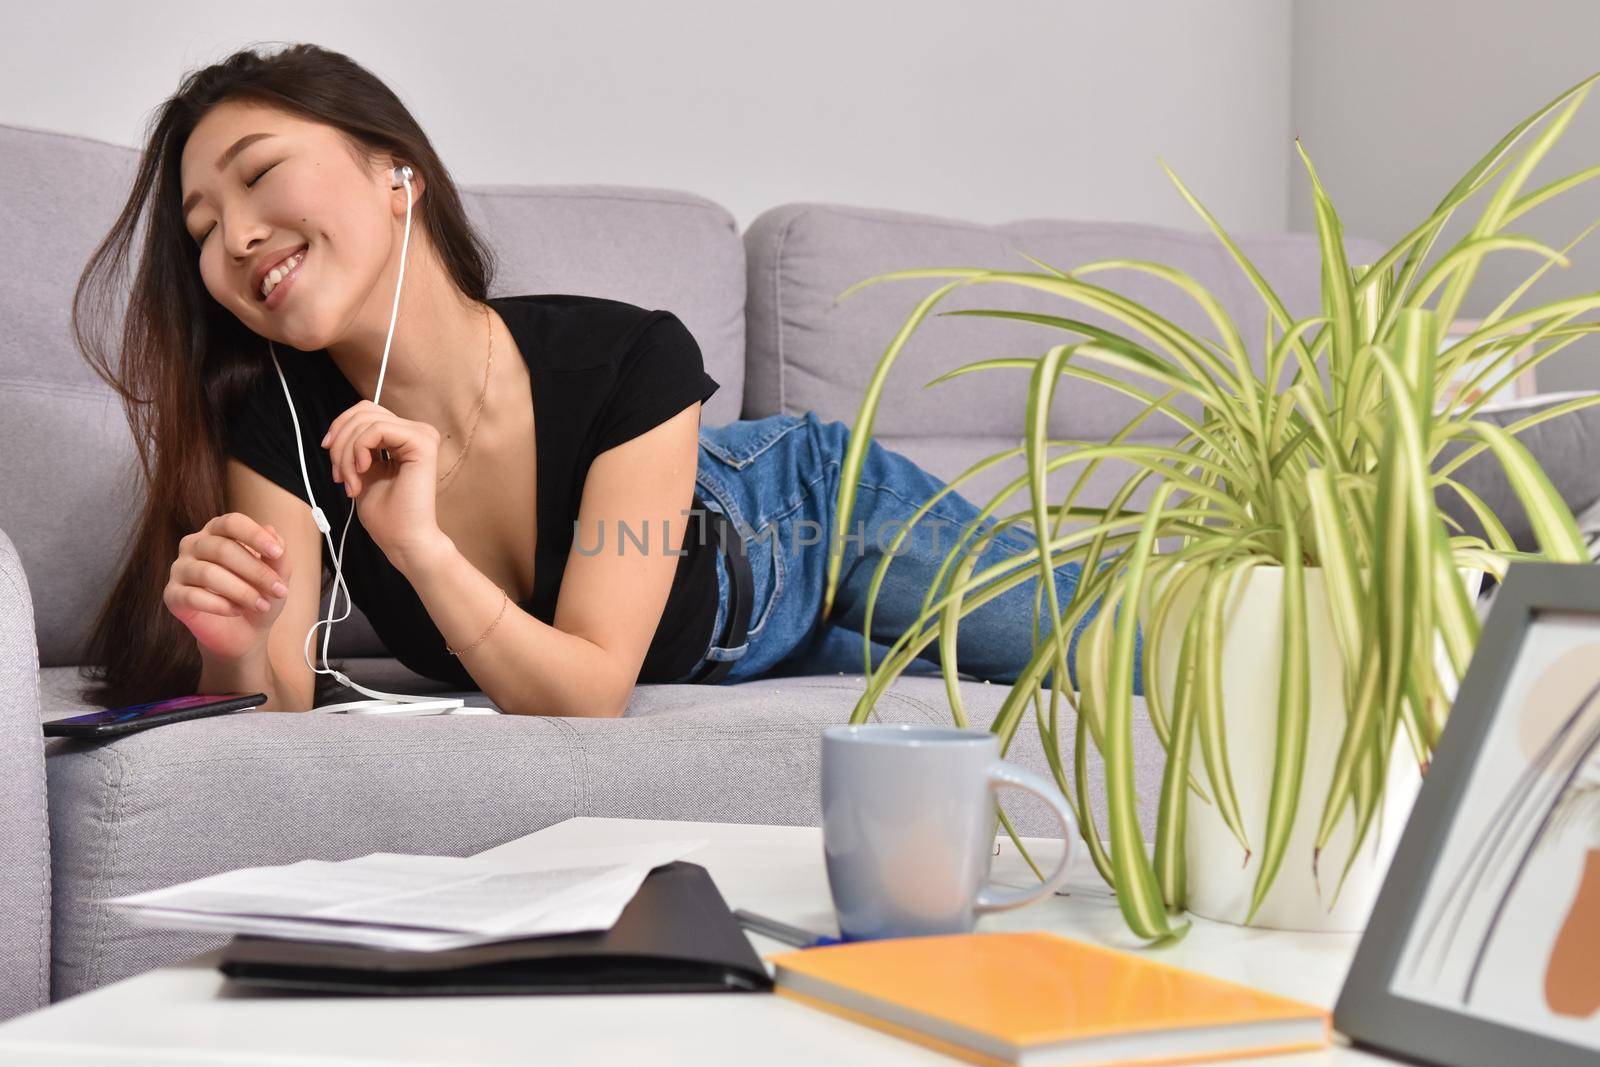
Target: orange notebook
1037, 998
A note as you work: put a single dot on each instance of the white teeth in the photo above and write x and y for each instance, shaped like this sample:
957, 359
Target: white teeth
276, 275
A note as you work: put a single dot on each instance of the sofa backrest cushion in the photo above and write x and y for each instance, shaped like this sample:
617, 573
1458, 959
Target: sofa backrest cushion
807, 350
69, 489
810, 351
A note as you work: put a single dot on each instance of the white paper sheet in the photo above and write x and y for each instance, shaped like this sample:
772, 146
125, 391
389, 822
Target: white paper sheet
394, 900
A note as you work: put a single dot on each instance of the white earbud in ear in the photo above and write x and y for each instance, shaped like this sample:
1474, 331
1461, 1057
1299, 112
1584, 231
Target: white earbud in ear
402, 176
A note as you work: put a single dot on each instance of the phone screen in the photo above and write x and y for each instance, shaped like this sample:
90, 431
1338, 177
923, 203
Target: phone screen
134, 712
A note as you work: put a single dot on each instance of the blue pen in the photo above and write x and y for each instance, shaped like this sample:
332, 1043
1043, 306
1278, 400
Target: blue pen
780, 931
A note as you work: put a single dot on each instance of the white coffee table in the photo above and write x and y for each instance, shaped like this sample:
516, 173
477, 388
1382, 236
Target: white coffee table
188, 1014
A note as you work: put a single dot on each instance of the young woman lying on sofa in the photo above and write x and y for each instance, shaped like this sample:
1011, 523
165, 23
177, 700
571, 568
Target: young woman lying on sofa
527, 453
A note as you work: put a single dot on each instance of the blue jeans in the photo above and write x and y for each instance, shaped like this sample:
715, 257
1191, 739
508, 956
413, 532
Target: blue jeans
777, 480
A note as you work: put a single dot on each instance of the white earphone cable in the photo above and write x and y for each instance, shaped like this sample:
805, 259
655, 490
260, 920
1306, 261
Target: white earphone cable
321, 519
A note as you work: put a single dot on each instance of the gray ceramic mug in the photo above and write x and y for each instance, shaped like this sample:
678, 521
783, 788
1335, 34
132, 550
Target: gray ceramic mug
909, 824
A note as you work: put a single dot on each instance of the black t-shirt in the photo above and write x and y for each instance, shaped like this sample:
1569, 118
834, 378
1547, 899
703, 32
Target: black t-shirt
603, 372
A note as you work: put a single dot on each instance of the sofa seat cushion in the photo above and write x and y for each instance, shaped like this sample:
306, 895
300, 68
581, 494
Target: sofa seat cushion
196, 798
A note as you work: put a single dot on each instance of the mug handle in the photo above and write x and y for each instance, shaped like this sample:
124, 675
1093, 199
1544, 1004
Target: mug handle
1002, 773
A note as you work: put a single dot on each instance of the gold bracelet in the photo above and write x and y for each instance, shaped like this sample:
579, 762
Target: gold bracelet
485, 633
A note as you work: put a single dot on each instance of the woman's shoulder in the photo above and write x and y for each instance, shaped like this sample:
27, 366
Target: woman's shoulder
257, 417
572, 306
571, 332
259, 392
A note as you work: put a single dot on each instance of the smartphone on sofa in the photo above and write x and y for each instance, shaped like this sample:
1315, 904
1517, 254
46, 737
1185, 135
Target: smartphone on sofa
114, 722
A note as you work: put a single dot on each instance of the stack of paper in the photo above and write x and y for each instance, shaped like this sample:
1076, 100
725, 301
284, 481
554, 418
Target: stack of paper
392, 900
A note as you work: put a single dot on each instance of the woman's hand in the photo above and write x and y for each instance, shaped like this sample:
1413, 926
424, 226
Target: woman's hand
394, 499
224, 574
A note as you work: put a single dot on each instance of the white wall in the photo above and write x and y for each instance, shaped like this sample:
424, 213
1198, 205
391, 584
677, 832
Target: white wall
1394, 101
986, 112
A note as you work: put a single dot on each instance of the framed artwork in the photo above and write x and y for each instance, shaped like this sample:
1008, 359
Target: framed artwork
1483, 948
1508, 383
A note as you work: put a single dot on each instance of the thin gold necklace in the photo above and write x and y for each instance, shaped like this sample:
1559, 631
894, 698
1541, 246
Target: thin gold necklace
478, 409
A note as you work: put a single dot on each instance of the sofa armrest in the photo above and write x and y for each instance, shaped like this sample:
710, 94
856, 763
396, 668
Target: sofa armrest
24, 826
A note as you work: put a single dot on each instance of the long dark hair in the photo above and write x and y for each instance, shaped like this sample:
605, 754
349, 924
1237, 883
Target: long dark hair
184, 358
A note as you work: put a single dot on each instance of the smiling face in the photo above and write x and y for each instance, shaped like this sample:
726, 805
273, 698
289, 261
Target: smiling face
298, 187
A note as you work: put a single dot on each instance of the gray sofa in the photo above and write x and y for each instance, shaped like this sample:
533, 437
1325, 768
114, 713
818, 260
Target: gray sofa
201, 797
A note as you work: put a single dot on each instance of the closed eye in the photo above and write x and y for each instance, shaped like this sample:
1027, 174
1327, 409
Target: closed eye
248, 185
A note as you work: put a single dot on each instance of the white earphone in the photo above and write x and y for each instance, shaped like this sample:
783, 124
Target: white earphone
382, 703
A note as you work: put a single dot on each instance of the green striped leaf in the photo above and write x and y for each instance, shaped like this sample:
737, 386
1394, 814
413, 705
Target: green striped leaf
1213, 731
1553, 525
1172, 816
1139, 894
1294, 711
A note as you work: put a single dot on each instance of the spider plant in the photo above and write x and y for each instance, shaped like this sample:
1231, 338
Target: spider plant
1326, 458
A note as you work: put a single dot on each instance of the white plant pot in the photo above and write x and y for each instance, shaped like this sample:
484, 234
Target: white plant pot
1220, 880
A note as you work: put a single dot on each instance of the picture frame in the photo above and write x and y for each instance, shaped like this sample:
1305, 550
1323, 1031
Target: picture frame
1509, 384
1480, 950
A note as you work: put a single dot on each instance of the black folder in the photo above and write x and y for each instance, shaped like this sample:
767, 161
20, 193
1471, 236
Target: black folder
675, 936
